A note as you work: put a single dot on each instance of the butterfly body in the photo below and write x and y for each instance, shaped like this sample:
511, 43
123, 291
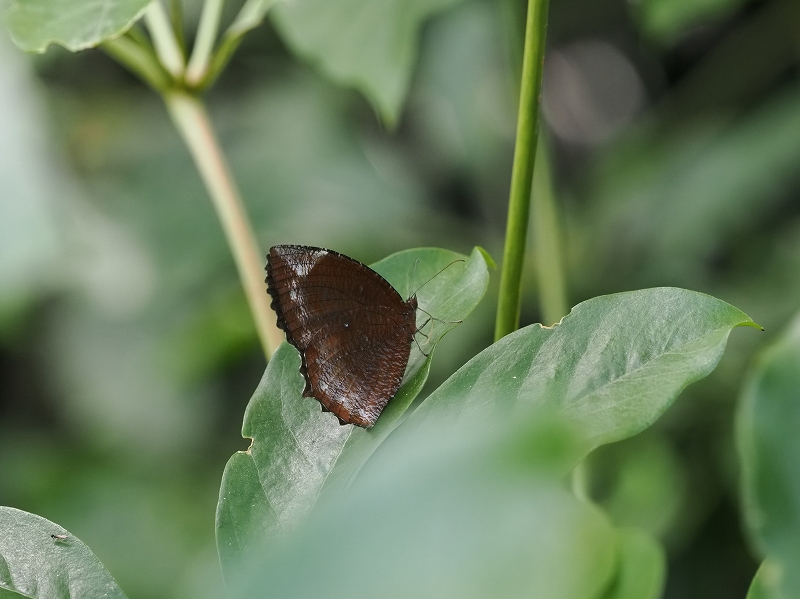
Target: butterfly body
352, 328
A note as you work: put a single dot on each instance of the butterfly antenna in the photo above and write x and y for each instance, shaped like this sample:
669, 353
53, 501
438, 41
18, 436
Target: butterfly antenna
433, 277
414, 272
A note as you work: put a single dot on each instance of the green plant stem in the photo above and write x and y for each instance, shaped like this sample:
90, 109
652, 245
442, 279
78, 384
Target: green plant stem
547, 239
508, 305
138, 59
204, 42
191, 119
166, 44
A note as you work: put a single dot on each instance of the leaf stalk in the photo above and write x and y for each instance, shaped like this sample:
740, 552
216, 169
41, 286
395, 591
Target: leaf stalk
166, 44
204, 42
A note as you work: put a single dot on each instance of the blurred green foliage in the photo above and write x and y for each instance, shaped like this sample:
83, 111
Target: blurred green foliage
126, 353
489, 519
770, 453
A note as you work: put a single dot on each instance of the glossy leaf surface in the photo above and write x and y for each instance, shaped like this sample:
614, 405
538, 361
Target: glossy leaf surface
612, 366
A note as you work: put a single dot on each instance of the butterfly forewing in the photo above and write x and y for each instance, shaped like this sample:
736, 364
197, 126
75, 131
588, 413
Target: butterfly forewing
352, 328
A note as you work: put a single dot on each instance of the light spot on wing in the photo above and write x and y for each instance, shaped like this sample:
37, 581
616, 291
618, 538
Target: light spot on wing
302, 268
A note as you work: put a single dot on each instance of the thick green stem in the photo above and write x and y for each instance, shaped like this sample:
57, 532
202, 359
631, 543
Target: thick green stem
162, 66
508, 306
547, 240
190, 117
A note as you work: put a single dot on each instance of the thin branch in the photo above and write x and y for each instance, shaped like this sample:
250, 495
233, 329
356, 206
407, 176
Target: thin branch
204, 42
166, 45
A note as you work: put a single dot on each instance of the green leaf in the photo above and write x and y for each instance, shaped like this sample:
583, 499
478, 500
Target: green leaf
769, 449
34, 564
369, 45
298, 451
642, 567
612, 366
667, 19
464, 510
74, 24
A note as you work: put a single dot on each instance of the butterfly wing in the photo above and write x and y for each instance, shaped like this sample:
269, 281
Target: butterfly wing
352, 328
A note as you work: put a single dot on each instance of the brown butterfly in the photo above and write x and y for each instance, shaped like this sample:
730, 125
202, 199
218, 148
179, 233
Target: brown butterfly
353, 330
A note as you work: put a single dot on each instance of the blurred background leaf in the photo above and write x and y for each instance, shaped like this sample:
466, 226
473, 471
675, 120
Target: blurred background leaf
370, 45
642, 567
664, 20
36, 189
766, 581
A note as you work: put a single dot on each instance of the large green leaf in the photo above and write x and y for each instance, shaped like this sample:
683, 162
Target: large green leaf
297, 451
34, 564
612, 366
464, 510
769, 449
367, 44
74, 24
